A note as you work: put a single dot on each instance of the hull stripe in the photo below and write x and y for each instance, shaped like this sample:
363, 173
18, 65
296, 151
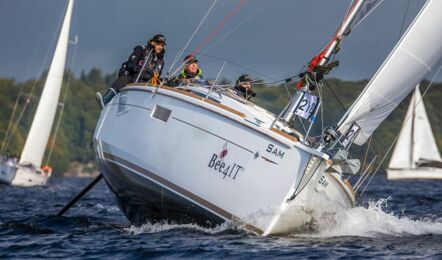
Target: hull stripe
181, 191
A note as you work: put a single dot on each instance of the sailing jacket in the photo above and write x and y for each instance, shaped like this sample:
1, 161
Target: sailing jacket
244, 93
186, 78
135, 62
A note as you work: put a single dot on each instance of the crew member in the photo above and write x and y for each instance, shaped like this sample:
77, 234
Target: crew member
243, 87
144, 64
191, 73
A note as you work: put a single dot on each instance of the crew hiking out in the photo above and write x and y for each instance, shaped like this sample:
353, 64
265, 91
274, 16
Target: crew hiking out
145, 64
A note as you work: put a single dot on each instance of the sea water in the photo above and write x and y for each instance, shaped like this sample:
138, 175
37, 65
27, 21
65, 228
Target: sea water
401, 219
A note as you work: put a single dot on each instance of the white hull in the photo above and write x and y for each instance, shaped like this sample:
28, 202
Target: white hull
191, 159
7, 173
418, 173
27, 177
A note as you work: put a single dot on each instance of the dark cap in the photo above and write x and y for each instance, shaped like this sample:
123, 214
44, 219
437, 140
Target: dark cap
159, 38
190, 59
244, 77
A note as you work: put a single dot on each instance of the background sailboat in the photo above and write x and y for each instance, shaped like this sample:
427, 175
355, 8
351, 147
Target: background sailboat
28, 170
415, 155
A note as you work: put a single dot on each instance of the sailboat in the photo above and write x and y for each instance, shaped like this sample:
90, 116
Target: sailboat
200, 154
415, 155
28, 171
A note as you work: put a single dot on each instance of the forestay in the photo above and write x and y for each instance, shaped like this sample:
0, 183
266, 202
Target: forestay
413, 57
38, 136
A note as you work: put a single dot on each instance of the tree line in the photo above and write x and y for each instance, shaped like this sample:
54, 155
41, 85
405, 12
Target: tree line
74, 139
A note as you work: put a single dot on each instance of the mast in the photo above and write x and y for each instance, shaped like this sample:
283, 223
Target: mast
413, 121
320, 65
38, 136
324, 56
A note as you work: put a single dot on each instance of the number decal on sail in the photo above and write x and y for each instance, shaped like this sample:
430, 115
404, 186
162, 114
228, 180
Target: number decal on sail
350, 136
306, 105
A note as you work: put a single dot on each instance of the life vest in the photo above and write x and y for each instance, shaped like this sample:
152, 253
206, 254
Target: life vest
186, 75
47, 170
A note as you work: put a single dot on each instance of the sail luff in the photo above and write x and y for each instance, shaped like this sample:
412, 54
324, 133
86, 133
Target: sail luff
40, 130
419, 49
401, 157
424, 143
413, 105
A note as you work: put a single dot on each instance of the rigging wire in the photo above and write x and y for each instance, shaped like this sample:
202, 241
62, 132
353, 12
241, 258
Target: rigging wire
20, 93
403, 20
335, 95
219, 27
28, 100
399, 36
236, 27
402, 127
368, 14
194, 33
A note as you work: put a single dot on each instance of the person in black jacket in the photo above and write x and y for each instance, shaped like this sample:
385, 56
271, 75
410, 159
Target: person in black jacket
145, 63
243, 87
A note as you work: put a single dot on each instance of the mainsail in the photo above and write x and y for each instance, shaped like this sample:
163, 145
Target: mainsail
38, 136
414, 56
416, 141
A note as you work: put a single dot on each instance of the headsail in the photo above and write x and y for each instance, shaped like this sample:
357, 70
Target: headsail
424, 143
413, 57
38, 136
403, 150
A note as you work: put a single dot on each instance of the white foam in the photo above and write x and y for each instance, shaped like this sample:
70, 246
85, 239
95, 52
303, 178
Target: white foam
371, 221
161, 227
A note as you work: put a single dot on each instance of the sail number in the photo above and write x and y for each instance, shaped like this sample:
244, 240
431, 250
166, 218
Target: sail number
306, 105
350, 135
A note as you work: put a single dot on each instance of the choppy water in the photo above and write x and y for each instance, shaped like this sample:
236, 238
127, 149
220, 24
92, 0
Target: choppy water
395, 220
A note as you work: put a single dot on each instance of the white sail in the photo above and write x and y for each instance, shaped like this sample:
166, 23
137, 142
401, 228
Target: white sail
425, 146
38, 136
401, 157
413, 57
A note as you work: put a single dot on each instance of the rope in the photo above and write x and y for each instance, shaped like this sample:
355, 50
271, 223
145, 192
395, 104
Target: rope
219, 27
397, 136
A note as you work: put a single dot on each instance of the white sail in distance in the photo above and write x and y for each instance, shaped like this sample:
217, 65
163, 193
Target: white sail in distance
403, 150
40, 131
416, 140
424, 143
419, 49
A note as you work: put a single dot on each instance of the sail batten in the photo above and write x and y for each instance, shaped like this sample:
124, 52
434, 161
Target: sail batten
414, 56
40, 130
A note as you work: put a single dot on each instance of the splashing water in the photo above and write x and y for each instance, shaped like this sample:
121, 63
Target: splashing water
373, 220
165, 226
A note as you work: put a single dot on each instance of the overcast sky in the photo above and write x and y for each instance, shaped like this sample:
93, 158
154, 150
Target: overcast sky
276, 38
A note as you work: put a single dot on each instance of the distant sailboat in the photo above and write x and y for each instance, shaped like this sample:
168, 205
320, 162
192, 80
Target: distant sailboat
29, 171
415, 155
